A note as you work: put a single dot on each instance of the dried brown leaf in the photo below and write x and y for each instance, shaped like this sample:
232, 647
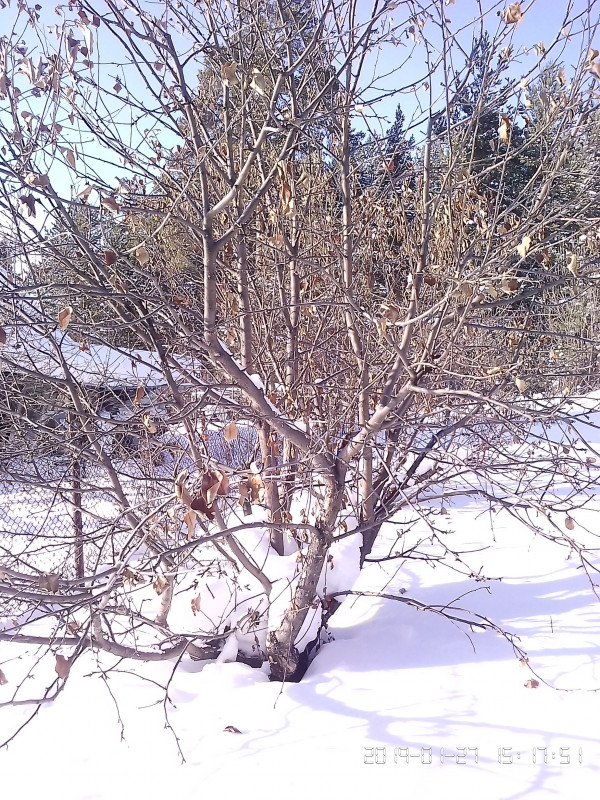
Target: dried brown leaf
85, 193
210, 485
49, 582
569, 524
288, 204
181, 492
200, 505
3, 679
139, 393
244, 491
277, 240
70, 156
391, 312
62, 667
190, 520
35, 179
230, 432
228, 74
223, 485
142, 255
149, 423
257, 488
520, 384
509, 285
131, 577
195, 604
304, 179
28, 201
504, 129
89, 39
159, 584
591, 56
27, 68
523, 248
572, 265
531, 684
258, 82
513, 15
28, 119
110, 204
64, 317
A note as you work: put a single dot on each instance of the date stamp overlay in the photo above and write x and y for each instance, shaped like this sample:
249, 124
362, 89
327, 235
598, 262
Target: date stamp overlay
563, 756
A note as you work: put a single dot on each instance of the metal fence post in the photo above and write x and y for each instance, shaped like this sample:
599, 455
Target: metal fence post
77, 506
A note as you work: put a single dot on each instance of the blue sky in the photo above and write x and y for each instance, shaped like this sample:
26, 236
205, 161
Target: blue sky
405, 63
543, 21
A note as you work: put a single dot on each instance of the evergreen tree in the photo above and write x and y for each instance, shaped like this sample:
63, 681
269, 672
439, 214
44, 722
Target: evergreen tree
384, 163
398, 151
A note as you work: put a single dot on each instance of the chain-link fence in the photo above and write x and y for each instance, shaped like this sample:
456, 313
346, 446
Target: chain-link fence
68, 530
62, 516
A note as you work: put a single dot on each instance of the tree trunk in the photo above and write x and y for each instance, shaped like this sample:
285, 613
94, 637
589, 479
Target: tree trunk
286, 662
271, 481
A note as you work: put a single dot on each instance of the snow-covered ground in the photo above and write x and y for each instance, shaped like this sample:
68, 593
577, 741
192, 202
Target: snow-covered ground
400, 703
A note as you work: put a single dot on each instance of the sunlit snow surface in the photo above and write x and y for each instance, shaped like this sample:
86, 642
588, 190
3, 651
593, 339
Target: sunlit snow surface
400, 703
393, 678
